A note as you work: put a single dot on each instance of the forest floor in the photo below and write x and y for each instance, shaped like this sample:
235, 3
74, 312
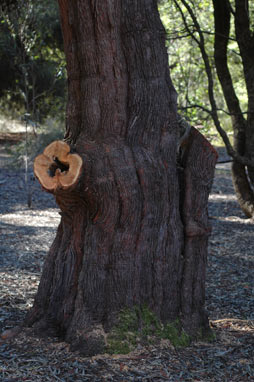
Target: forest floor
25, 237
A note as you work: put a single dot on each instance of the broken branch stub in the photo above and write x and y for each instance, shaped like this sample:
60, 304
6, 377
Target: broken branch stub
57, 168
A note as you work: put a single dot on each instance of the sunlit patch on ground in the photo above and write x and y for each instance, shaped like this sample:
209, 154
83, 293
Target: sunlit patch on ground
222, 197
32, 218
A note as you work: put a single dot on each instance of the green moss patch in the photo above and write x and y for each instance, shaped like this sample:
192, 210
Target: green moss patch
141, 326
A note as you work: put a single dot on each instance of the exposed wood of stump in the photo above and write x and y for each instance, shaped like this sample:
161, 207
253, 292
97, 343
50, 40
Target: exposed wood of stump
57, 168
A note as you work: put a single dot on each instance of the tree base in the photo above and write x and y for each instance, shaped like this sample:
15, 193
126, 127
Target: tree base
124, 243
135, 328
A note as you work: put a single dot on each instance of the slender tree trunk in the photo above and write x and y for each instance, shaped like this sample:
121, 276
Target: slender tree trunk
245, 40
129, 235
242, 177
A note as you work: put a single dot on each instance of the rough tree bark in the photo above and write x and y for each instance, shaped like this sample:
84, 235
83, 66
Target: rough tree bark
134, 223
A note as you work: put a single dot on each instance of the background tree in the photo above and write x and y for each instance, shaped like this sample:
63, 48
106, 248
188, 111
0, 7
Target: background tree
32, 73
232, 58
184, 60
133, 233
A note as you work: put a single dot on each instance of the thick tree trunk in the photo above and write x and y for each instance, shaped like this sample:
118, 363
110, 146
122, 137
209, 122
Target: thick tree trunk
129, 235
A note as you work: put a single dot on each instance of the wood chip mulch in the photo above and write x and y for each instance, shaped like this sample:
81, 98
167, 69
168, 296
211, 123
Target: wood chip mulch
25, 236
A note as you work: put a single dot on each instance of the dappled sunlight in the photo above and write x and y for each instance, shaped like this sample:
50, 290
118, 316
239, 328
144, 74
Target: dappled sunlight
32, 218
235, 219
234, 324
222, 197
12, 125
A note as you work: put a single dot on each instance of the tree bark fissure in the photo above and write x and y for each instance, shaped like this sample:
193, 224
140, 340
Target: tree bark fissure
121, 241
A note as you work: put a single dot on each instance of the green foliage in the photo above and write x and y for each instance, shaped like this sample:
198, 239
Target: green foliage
32, 63
123, 336
177, 337
141, 326
187, 65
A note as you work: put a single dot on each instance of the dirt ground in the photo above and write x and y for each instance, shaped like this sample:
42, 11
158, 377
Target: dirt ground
25, 237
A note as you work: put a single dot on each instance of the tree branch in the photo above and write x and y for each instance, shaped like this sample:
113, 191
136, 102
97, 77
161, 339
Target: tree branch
192, 106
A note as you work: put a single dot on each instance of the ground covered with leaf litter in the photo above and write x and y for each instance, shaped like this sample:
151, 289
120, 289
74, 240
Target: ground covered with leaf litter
25, 237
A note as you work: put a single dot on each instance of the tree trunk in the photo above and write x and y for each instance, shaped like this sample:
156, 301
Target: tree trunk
245, 41
243, 177
129, 234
